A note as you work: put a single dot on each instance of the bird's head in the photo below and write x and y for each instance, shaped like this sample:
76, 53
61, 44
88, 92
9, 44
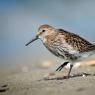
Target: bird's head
43, 31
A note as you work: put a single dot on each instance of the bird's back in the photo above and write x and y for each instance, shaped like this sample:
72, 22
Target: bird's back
76, 41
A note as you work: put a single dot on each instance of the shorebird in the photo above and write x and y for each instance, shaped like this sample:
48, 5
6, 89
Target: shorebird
66, 45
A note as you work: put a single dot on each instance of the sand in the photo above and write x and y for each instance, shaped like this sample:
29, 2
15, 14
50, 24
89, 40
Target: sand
43, 82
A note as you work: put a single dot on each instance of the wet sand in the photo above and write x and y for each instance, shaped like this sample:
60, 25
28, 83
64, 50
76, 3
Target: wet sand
37, 82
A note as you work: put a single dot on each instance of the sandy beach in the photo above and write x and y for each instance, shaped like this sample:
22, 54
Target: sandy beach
46, 82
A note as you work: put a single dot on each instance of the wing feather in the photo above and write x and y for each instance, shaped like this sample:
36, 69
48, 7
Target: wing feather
76, 41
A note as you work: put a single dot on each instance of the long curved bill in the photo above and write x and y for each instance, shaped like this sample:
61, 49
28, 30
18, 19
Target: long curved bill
34, 39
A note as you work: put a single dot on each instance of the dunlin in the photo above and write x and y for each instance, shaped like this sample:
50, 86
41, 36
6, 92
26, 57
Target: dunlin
66, 45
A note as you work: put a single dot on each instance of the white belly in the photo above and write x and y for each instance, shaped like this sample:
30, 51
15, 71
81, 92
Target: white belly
86, 55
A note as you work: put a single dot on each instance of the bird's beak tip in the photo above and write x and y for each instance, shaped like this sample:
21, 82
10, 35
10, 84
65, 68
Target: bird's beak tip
26, 45
31, 41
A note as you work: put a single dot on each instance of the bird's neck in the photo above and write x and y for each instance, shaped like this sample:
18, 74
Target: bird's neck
49, 38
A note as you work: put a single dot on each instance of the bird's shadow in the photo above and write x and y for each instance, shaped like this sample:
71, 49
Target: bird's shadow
71, 76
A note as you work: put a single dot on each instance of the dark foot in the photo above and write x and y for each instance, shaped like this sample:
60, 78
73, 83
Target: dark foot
61, 66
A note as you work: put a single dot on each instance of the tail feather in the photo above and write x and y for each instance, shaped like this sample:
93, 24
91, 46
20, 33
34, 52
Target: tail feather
92, 47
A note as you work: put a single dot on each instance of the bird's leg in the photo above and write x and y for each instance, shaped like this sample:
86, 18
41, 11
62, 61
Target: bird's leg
61, 66
69, 71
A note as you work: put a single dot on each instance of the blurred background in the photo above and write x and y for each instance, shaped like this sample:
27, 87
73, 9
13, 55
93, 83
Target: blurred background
20, 19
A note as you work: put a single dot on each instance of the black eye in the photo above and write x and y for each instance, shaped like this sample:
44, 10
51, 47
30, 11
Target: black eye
43, 30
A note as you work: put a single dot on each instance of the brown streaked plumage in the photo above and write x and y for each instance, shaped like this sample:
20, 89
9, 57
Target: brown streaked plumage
78, 42
66, 45
45, 26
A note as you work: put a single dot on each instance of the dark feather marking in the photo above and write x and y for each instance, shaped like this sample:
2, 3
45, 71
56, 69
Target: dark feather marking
78, 42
